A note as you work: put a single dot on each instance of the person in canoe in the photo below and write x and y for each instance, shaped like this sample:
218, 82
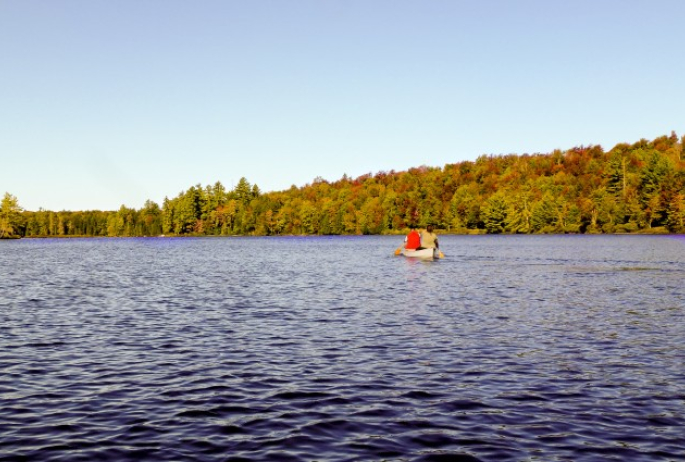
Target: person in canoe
429, 240
413, 240
423, 245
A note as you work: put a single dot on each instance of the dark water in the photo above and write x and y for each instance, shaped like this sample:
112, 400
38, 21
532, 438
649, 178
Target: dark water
332, 349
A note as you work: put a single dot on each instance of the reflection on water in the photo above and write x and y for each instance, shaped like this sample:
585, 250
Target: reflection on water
333, 349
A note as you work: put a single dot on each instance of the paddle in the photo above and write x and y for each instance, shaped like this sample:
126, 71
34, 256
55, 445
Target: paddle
399, 250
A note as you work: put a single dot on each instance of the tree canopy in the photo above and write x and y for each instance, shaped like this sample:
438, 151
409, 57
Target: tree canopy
631, 188
10, 216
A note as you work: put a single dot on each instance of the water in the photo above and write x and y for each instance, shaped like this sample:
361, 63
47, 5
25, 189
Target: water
513, 348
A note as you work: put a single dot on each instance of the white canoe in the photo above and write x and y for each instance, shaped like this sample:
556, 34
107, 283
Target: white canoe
423, 253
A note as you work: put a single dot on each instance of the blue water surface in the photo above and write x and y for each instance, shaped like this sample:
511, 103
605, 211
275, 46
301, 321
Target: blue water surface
512, 348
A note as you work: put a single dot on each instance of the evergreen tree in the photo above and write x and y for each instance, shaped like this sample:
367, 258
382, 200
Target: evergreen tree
494, 213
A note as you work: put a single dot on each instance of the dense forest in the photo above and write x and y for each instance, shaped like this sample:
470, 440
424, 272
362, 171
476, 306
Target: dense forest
631, 188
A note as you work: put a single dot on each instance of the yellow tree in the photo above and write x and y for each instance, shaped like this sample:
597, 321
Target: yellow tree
676, 214
519, 213
10, 216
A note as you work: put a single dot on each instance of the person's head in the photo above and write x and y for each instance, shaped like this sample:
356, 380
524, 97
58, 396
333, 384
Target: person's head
429, 228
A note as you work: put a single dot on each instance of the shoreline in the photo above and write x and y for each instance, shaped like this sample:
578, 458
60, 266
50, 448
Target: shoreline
651, 232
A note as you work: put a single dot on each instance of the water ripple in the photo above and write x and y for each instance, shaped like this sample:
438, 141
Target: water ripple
291, 349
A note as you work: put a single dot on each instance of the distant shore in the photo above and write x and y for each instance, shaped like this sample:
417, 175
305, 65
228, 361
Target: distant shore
480, 232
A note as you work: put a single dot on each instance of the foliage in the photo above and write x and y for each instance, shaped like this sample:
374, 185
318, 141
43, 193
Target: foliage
631, 188
10, 217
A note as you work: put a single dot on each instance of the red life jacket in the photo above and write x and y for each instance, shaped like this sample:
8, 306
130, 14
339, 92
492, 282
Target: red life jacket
413, 240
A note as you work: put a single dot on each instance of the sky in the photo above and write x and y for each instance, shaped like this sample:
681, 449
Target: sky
111, 103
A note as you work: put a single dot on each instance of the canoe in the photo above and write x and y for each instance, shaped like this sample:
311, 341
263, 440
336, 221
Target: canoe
423, 253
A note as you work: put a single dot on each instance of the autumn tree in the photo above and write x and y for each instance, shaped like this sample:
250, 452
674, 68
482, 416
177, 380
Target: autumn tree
631, 188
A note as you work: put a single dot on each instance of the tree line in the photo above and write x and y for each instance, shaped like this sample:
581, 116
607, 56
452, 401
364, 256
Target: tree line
636, 187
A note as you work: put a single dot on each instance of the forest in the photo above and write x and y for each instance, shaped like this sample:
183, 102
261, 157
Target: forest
633, 188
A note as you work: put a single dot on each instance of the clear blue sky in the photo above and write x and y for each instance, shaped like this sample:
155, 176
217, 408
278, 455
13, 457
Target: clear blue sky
104, 103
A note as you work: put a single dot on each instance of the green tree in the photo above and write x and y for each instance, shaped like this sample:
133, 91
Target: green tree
519, 213
116, 223
545, 215
151, 219
654, 176
465, 208
243, 191
494, 213
617, 174
10, 216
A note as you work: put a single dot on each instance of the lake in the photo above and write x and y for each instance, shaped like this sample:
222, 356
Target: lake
512, 348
